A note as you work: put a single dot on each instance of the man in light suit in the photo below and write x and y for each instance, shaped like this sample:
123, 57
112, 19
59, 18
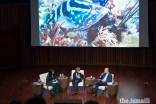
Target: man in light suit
104, 78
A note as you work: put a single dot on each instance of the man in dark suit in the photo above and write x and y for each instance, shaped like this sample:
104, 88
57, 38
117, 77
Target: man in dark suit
104, 78
77, 78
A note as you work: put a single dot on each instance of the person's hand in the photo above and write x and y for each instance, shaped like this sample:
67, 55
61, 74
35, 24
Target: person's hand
103, 80
101, 74
79, 77
56, 81
53, 80
80, 72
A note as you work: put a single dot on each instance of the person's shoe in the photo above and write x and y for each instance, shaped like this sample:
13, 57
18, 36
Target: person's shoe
76, 92
86, 85
94, 95
73, 93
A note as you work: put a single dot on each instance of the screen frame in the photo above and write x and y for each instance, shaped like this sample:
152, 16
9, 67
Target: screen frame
30, 41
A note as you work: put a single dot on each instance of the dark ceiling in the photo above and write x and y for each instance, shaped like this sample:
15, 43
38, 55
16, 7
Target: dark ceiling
14, 1
28, 1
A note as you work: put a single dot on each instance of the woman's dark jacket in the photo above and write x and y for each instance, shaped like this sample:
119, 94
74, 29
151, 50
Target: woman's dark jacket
56, 86
74, 77
50, 79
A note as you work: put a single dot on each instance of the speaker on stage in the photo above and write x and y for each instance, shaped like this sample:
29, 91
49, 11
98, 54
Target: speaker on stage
67, 101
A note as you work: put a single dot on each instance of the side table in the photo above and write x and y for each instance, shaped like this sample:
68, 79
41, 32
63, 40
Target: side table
89, 81
64, 83
37, 90
112, 90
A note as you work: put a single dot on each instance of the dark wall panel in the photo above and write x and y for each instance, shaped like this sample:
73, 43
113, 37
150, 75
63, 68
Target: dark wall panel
9, 46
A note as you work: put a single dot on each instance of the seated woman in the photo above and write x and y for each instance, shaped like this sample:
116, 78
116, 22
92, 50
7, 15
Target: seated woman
77, 78
53, 81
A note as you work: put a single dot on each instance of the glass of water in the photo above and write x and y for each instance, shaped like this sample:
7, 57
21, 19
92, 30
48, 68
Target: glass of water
38, 80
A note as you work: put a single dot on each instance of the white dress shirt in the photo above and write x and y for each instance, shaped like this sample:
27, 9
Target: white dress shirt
105, 77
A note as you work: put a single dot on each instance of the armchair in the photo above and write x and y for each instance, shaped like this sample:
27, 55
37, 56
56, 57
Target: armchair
43, 80
81, 84
104, 88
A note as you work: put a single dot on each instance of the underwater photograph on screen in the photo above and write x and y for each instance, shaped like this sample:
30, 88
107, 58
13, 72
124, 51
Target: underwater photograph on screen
89, 23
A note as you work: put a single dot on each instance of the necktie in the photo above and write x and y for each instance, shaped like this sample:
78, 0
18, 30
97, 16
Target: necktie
104, 77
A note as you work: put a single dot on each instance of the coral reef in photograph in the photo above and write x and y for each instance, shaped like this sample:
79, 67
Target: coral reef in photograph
89, 23
53, 37
104, 38
131, 40
107, 39
57, 39
79, 38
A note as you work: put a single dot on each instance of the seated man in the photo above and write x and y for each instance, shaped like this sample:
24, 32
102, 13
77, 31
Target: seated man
105, 77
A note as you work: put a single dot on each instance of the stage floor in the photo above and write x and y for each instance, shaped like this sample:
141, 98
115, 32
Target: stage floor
134, 82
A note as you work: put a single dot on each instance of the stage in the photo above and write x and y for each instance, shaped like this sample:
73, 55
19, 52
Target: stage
134, 82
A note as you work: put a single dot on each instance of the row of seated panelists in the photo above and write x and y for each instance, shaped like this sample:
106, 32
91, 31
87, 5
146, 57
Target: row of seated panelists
81, 84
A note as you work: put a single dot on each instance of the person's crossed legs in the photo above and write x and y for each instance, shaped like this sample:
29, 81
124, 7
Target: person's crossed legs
96, 84
99, 84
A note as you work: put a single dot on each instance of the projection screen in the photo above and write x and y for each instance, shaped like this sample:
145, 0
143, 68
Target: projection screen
89, 23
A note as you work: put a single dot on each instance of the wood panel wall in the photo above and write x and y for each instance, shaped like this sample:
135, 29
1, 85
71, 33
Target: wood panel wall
9, 49
19, 15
